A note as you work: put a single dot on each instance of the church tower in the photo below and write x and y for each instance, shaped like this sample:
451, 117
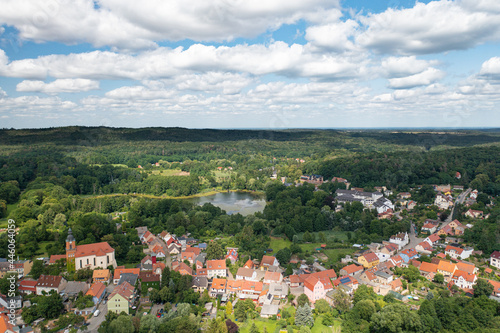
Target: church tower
70, 251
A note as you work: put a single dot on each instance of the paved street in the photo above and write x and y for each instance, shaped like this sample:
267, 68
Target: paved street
95, 322
414, 240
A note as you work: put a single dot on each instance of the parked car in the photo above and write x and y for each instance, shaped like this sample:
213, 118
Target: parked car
97, 312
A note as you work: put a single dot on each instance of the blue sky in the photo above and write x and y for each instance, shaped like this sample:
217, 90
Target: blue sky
258, 64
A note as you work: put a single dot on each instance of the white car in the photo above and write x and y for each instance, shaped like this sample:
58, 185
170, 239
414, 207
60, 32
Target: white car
96, 313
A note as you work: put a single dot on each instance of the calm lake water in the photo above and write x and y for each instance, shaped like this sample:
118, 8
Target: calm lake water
234, 202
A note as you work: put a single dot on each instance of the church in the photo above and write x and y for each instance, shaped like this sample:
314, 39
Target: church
97, 255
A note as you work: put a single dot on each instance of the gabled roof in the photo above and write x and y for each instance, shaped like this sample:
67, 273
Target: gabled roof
272, 276
350, 269
201, 272
466, 276
96, 289
219, 284
397, 283
428, 226
216, 264
56, 257
49, 281
246, 272
101, 274
125, 290
326, 274
434, 238
183, 269
428, 267
249, 264
446, 266
267, 260
146, 258
200, 281
495, 255
450, 248
149, 276
425, 245
410, 252
195, 250
370, 257
311, 282
120, 271
97, 249
391, 247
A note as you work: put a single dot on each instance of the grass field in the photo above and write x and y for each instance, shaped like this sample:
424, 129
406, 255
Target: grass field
333, 254
320, 328
270, 325
5, 220
42, 250
170, 172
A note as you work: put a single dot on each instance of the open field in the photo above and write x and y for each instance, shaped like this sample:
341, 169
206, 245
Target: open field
170, 172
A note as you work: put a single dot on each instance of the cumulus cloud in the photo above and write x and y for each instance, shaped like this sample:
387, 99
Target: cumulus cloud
334, 36
438, 26
130, 24
58, 86
404, 66
2, 93
424, 78
491, 69
277, 58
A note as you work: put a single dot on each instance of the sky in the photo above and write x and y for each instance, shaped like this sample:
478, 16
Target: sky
250, 64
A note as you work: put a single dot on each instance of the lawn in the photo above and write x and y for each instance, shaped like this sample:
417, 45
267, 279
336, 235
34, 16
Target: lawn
42, 250
170, 172
270, 325
279, 243
320, 328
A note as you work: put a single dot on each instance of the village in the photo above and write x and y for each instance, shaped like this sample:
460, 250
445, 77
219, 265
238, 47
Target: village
407, 267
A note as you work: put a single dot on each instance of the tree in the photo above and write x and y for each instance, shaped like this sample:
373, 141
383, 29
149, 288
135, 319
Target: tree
229, 308
430, 295
307, 237
364, 292
149, 324
283, 256
302, 300
254, 329
304, 316
341, 300
289, 270
122, 324
439, 278
322, 306
37, 269
395, 318
364, 309
482, 287
217, 325
231, 326
214, 251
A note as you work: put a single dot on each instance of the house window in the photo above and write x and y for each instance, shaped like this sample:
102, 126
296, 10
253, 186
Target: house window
87, 261
107, 258
81, 264
94, 261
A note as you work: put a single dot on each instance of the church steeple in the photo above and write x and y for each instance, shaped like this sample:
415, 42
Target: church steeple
70, 250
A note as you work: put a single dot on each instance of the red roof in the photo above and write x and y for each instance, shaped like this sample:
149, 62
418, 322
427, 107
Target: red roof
27, 285
311, 282
466, 276
450, 248
370, 257
120, 271
195, 250
216, 264
495, 254
434, 238
56, 257
352, 269
328, 274
49, 281
267, 260
96, 289
428, 267
97, 249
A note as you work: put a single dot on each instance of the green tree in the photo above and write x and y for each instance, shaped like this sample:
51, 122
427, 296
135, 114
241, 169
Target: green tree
214, 251
307, 237
364, 292
439, 278
283, 256
482, 288
149, 324
302, 300
341, 300
217, 325
304, 316
395, 318
122, 324
37, 269
229, 308
322, 306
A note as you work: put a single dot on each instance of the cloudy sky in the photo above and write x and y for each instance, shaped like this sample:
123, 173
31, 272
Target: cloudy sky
250, 64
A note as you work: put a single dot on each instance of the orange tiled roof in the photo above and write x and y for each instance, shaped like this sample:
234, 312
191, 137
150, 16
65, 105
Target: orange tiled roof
428, 267
353, 268
98, 249
101, 274
96, 289
267, 260
273, 276
216, 264
120, 271
466, 276
446, 266
466, 267
370, 257
56, 257
219, 284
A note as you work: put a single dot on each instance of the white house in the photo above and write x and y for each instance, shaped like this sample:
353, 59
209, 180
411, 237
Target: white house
246, 274
216, 268
495, 259
401, 240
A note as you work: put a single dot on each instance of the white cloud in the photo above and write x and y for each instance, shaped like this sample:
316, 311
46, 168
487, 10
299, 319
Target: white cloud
130, 24
438, 26
277, 58
333, 36
491, 68
58, 86
429, 76
2, 93
395, 67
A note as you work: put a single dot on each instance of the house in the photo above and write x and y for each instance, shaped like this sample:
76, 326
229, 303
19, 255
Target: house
474, 213
369, 276
195, 250
467, 267
27, 287
389, 249
456, 252
404, 195
128, 277
189, 256
278, 290
384, 276
314, 289
91, 256
141, 231
447, 269
474, 194
269, 310
424, 247
182, 268
218, 287
496, 287
268, 261
158, 251
350, 283
463, 279
6, 325
199, 283
396, 285
401, 240
233, 287
443, 201
232, 254
397, 260
428, 270
174, 249
147, 237
47, 283
149, 280
428, 228
73, 288
246, 274
495, 259
201, 272
97, 290
56, 257
410, 254
216, 268
368, 260
273, 277
158, 268
350, 270
296, 281
121, 299
370, 200
453, 228
249, 264
147, 263
432, 239
250, 289
101, 275
121, 270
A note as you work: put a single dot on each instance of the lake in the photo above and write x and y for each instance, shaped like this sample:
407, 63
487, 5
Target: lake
244, 203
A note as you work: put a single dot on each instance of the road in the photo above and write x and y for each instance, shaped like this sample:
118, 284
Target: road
168, 260
413, 239
95, 322
460, 200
